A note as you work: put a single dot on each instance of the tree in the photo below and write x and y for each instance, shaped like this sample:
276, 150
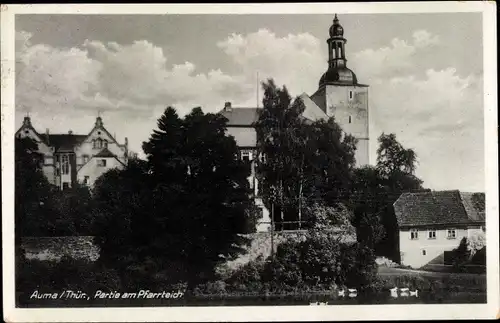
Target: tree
304, 161
33, 192
182, 211
374, 191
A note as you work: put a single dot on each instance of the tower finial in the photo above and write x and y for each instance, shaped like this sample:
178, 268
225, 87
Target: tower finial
335, 19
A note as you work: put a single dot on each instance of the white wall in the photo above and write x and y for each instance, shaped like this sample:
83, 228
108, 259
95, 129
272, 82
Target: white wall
412, 250
93, 170
351, 114
86, 147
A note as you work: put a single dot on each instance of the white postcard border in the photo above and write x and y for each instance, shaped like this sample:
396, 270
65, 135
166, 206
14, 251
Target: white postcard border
254, 313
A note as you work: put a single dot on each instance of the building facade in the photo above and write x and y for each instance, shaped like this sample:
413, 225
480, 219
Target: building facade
71, 158
431, 224
339, 95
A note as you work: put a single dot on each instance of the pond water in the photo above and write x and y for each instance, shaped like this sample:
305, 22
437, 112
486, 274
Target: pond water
272, 300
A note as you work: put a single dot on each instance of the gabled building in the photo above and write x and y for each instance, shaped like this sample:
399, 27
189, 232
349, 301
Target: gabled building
433, 223
339, 94
71, 158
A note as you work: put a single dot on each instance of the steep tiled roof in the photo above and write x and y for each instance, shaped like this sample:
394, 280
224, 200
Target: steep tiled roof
474, 205
438, 207
63, 142
105, 153
312, 111
241, 116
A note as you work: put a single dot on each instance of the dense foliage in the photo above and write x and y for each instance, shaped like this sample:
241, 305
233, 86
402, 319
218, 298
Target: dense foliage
302, 162
374, 191
41, 209
182, 211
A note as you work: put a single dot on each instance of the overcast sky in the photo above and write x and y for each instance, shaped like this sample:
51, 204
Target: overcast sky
424, 71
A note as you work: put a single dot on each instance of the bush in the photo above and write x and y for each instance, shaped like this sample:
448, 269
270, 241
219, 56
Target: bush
319, 262
67, 274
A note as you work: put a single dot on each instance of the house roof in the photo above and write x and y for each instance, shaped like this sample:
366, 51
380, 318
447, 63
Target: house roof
63, 142
105, 153
437, 207
474, 205
312, 110
241, 116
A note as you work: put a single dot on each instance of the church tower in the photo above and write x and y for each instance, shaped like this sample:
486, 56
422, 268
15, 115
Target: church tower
340, 95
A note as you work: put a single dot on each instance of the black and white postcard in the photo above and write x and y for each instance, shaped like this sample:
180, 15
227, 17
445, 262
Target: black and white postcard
260, 162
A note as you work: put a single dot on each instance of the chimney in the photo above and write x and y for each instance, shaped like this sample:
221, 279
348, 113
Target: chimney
70, 132
27, 121
227, 107
47, 135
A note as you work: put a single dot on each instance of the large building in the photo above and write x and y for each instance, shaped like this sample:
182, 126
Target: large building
431, 224
70, 158
339, 94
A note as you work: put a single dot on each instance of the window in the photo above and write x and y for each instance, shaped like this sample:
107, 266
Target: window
93, 144
98, 143
245, 156
349, 119
423, 252
86, 180
452, 234
350, 95
483, 228
65, 164
57, 158
65, 185
413, 234
85, 159
26, 131
58, 172
105, 143
431, 234
101, 163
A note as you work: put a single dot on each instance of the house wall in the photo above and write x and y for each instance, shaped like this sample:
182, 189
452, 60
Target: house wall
48, 167
87, 148
351, 114
93, 170
412, 250
244, 136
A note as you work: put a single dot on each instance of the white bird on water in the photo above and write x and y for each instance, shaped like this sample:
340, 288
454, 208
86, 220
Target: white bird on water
341, 293
414, 293
394, 292
405, 292
352, 292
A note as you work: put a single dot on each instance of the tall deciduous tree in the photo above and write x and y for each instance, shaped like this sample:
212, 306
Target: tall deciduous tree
33, 192
304, 161
374, 191
185, 207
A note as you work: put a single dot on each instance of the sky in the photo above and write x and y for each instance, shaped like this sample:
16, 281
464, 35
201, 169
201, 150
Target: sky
425, 73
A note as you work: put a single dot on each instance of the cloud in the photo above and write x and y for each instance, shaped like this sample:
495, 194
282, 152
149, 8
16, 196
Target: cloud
296, 61
134, 78
436, 111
